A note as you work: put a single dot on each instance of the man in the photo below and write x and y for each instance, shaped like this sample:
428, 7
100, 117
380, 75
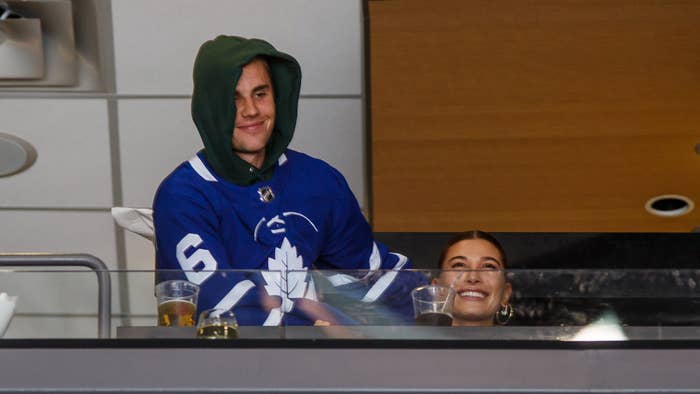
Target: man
246, 202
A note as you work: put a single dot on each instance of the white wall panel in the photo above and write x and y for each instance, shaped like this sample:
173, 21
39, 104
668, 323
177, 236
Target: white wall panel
57, 293
73, 166
158, 134
43, 327
52, 291
59, 232
73, 291
140, 253
77, 327
156, 40
140, 261
155, 137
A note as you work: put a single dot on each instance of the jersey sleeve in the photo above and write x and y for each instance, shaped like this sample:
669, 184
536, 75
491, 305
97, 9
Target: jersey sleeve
378, 274
188, 247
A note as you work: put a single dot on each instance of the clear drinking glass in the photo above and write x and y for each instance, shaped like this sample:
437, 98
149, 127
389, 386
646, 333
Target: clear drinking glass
432, 305
217, 324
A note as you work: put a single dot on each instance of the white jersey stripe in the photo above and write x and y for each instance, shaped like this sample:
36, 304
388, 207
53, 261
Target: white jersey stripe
402, 261
235, 294
274, 318
375, 260
282, 159
341, 279
385, 281
311, 291
201, 169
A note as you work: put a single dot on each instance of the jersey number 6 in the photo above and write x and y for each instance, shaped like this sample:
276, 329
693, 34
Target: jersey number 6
200, 264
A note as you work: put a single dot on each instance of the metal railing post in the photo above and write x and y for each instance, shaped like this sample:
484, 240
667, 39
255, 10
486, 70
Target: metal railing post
104, 286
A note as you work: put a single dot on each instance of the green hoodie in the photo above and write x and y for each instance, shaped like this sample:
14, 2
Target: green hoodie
217, 68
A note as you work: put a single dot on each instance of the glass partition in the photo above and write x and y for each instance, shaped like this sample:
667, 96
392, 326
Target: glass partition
55, 303
549, 305
557, 305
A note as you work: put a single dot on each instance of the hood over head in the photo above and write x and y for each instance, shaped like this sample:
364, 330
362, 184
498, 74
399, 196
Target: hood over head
217, 68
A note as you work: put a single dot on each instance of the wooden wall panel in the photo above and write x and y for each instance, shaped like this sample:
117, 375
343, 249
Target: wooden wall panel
533, 116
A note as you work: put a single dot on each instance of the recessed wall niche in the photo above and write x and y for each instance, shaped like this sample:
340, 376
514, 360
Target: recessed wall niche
75, 46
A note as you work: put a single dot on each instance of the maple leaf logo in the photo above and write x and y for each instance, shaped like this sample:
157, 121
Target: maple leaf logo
282, 283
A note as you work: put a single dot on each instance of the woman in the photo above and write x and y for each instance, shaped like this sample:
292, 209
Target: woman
473, 263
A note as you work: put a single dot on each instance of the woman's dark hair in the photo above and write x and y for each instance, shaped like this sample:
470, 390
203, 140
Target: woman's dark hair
472, 234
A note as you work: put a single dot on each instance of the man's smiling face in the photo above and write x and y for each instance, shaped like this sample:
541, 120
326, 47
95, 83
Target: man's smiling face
255, 112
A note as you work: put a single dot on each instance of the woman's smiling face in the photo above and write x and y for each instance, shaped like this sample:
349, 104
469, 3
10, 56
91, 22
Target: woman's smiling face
474, 268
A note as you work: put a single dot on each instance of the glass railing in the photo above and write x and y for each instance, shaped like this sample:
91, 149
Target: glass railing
549, 305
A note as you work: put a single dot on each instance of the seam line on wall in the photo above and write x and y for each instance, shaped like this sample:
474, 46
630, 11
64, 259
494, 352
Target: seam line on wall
79, 96
57, 209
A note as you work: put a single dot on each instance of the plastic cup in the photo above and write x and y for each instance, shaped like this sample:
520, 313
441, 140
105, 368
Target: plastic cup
432, 305
177, 303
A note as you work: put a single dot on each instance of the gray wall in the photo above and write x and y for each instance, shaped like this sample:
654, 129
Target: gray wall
110, 143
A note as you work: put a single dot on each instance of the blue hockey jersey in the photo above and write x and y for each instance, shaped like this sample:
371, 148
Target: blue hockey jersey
305, 216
